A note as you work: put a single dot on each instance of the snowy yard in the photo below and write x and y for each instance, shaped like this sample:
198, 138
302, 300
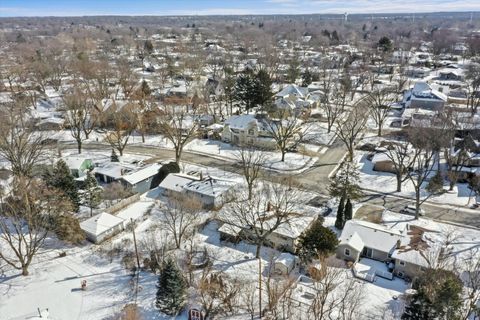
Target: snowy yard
386, 183
294, 162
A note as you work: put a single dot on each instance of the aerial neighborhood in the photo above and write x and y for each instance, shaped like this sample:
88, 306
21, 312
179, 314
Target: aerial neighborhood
311, 166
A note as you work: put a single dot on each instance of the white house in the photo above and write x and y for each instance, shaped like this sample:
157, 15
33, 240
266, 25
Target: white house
422, 96
102, 226
174, 182
212, 192
247, 129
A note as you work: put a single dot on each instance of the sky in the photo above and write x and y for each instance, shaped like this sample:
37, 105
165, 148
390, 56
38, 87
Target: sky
14, 8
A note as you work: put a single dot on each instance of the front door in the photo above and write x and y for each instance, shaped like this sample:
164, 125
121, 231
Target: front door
367, 252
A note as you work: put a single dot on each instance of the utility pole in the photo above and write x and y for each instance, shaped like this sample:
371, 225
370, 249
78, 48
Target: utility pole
138, 260
260, 286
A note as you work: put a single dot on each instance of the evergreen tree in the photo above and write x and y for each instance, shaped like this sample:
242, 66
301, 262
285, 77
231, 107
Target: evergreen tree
438, 296
92, 193
67, 228
340, 221
385, 44
245, 89
61, 178
348, 210
171, 289
316, 241
307, 78
114, 156
346, 183
263, 88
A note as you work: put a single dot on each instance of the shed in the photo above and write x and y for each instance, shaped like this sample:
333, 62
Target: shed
284, 263
101, 227
78, 166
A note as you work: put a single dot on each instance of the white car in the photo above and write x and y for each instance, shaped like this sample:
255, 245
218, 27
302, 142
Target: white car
410, 209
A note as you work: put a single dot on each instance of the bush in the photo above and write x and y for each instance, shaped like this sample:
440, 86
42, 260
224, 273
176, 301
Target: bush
165, 170
67, 228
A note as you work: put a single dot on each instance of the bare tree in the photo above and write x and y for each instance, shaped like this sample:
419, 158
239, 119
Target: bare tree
286, 129
423, 161
180, 214
471, 278
20, 144
178, 126
25, 220
349, 129
251, 162
262, 214
122, 124
378, 102
399, 153
218, 293
473, 87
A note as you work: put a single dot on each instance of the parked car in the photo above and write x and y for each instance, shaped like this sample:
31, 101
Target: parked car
410, 209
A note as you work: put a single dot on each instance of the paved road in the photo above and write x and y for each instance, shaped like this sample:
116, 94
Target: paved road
314, 179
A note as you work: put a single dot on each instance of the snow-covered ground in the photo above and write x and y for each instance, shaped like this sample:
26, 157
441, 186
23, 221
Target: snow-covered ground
294, 162
386, 183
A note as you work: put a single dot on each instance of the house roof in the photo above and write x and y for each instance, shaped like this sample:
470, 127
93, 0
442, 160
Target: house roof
176, 181
242, 122
142, 174
210, 186
287, 259
293, 89
75, 162
372, 235
380, 157
100, 223
114, 170
355, 242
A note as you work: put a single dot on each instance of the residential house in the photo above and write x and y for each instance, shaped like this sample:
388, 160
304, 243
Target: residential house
247, 129
174, 182
102, 226
212, 192
79, 166
112, 171
406, 252
422, 96
382, 163
140, 181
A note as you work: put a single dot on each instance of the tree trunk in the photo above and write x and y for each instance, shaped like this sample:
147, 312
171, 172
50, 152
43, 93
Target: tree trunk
380, 129
399, 182
79, 146
178, 155
24, 270
283, 155
120, 150
143, 136
417, 202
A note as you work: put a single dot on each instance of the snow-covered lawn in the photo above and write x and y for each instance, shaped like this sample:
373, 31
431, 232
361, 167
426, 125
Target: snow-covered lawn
386, 183
293, 161
317, 133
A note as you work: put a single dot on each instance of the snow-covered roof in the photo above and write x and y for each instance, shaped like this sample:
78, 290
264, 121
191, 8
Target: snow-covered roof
176, 181
293, 89
100, 223
286, 259
380, 157
114, 170
372, 235
241, 122
75, 162
142, 174
210, 186
355, 242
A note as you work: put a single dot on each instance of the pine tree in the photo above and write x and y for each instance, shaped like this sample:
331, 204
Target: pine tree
61, 179
348, 210
340, 221
316, 241
346, 183
114, 156
171, 289
91, 193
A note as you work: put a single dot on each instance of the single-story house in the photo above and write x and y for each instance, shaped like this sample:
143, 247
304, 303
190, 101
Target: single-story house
112, 171
141, 180
405, 251
78, 166
102, 226
212, 192
174, 182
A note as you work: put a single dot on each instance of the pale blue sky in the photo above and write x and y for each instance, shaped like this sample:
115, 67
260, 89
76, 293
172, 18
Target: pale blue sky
207, 7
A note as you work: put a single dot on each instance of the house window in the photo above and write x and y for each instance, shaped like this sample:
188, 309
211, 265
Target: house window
347, 252
402, 263
250, 132
401, 274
